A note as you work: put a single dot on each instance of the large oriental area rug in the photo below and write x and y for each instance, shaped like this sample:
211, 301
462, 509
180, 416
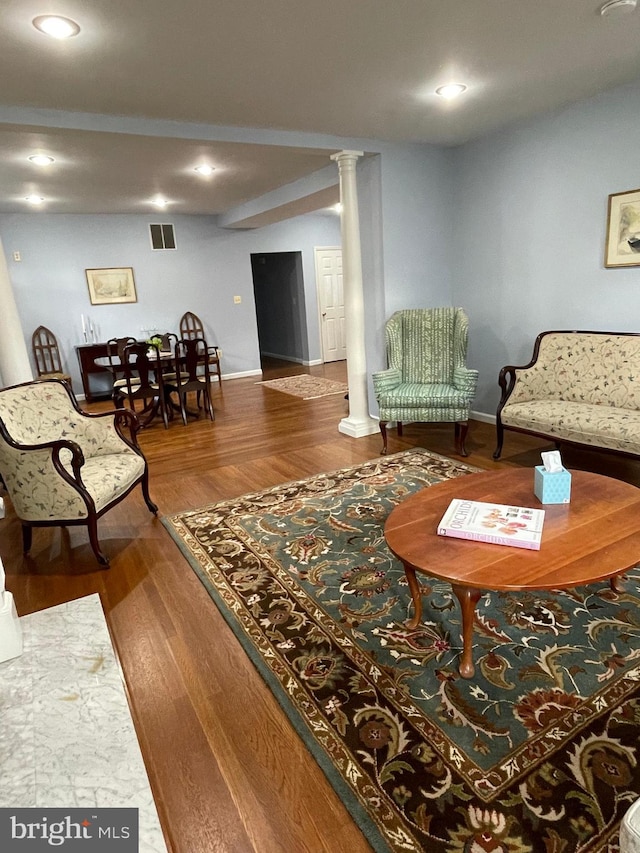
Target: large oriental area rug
538, 752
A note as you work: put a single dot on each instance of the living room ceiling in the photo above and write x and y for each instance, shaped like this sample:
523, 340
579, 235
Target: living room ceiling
365, 69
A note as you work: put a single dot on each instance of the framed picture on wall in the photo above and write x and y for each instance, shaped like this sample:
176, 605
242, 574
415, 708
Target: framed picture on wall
111, 286
623, 230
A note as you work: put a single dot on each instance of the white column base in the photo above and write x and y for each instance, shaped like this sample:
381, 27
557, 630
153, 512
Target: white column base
358, 427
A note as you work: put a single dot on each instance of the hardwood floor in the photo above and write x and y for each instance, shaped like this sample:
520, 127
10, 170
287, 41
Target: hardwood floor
227, 770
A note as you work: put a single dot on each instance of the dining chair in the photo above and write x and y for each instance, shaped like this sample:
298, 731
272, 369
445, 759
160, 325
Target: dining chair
169, 341
142, 370
192, 375
46, 354
191, 327
115, 354
167, 345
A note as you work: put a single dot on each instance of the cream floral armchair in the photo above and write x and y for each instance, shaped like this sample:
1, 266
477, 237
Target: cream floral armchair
427, 379
62, 466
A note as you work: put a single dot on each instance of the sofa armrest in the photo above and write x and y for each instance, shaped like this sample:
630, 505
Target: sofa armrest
465, 379
506, 381
525, 377
386, 380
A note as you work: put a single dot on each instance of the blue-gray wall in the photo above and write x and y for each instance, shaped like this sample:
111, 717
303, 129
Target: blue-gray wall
530, 217
417, 218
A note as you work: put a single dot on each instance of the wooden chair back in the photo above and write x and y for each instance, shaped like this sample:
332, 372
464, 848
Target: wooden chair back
116, 347
192, 374
169, 341
191, 326
192, 356
46, 352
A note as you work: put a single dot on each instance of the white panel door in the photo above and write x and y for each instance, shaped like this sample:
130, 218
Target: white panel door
331, 303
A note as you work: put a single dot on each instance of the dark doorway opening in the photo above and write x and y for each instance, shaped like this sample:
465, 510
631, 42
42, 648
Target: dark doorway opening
278, 287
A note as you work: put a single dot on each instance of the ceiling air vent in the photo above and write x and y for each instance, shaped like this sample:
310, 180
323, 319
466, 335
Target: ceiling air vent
162, 237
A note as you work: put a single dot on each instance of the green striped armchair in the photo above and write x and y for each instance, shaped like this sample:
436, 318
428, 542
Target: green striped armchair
427, 379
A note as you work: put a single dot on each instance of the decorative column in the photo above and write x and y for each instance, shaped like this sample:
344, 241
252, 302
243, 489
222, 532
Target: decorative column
14, 358
358, 423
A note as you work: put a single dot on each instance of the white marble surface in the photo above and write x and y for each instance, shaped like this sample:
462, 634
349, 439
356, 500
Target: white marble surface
66, 734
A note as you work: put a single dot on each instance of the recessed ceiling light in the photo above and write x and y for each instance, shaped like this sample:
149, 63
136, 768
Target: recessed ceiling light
618, 6
159, 202
205, 169
41, 159
34, 199
451, 90
56, 26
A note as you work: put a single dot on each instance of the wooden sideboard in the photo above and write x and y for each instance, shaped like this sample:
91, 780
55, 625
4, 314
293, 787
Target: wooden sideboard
97, 382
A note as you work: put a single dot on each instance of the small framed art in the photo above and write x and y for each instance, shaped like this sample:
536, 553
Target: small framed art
111, 286
623, 230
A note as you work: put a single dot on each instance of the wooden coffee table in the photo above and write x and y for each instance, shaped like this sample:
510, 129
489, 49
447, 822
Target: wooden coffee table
595, 537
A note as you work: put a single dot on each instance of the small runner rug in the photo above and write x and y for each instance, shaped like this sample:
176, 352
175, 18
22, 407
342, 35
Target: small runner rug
306, 386
538, 752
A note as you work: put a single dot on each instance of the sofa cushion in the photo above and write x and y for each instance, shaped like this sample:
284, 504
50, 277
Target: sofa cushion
583, 423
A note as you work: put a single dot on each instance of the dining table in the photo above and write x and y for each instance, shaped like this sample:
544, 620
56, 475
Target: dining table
169, 368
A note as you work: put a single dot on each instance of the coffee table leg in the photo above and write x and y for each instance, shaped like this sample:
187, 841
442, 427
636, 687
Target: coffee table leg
414, 587
468, 599
616, 582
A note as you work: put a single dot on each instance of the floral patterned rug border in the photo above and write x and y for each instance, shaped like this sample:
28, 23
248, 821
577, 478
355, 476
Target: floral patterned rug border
241, 541
306, 386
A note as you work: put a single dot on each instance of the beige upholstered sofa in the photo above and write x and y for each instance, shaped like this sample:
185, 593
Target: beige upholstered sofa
579, 387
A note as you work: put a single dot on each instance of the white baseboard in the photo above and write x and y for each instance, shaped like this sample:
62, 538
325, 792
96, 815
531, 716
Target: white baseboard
482, 416
293, 359
240, 375
281, 357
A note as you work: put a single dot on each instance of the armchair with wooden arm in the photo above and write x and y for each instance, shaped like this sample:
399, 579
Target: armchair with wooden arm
63, 466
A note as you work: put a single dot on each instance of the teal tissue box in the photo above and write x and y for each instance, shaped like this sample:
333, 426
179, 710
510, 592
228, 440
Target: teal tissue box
552, 488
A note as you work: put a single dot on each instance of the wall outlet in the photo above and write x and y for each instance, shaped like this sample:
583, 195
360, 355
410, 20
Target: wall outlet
17, 256
237, 299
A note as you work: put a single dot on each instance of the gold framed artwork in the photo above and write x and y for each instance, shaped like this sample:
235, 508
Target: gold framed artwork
111, 286
623, 230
